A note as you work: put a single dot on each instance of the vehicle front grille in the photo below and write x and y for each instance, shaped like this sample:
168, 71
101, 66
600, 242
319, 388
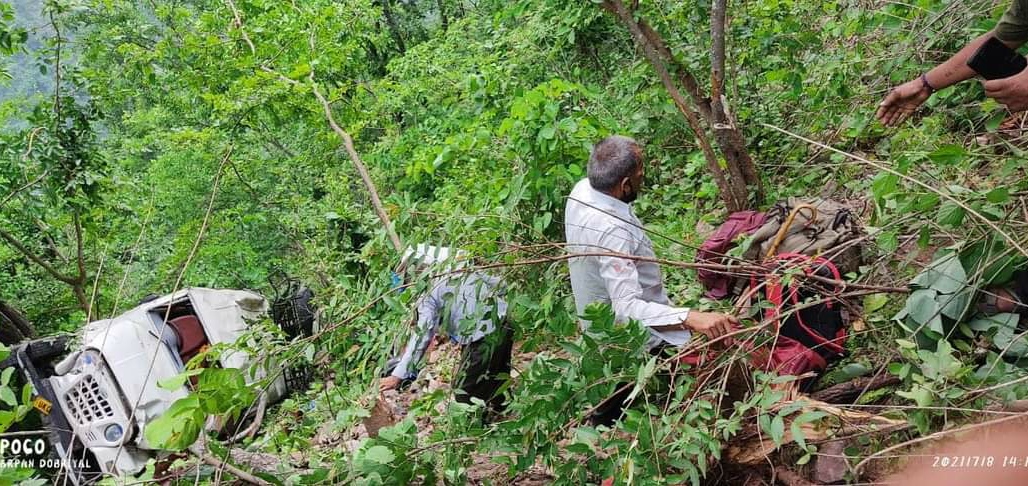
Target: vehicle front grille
87, 402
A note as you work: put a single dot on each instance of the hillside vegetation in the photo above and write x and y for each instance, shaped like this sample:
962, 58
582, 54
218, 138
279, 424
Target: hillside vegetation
155, 145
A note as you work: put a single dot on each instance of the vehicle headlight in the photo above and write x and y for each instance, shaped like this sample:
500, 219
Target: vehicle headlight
113, 433
90, 357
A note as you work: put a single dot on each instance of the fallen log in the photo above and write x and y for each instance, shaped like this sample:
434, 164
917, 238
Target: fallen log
850, 391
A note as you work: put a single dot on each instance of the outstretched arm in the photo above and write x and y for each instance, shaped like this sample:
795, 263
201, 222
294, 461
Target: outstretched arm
414, 351
904, 99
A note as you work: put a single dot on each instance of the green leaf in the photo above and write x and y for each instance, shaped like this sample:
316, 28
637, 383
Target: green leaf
955, 305
854, 370
921, 305
380, 454
7, 396
995, 120
991, 322
884, 184
919, 394
776, 429
6, 420
902, 370
948, 154
998, 195
950, 214
5, 376
940, 364
945, 275
803, 418
888, 241
178, 427
587, 435
645, 372
1007, 338
874, 302
179, 380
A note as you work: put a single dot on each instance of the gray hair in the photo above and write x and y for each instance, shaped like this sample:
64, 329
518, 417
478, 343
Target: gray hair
613, 159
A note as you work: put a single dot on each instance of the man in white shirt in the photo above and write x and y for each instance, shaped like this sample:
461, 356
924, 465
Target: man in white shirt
599, 219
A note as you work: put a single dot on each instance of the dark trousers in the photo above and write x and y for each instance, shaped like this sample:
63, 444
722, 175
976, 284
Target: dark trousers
485, 367
611, 409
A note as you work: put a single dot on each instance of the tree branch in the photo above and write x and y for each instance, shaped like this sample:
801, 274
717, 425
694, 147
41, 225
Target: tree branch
361, 168
80, 258
732, 199
218, 463
35, 258
369, 184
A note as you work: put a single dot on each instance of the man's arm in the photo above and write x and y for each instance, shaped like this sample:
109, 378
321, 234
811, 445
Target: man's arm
904, 99
414, 351
621, 278
1011, 30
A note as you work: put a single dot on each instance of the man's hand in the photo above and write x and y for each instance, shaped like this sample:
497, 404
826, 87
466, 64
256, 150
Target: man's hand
1012, 91
710, 324
901, 102
389, 383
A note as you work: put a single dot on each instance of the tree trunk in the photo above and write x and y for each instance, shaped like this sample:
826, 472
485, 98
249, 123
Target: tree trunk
728, 136
741, 179
76, 282
394, 28
14, 327
442, 14
729, 196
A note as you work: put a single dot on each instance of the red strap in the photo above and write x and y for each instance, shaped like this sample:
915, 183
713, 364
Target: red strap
776, 297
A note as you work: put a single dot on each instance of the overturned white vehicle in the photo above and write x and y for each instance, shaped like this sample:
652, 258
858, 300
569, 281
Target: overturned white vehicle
101, 387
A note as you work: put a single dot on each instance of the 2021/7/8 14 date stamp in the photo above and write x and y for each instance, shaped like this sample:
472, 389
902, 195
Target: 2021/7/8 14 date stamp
970, 462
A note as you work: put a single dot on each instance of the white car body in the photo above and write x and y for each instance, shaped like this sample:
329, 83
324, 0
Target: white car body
108, 388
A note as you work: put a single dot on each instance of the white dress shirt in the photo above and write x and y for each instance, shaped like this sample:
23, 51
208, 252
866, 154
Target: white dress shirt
467, 304
596, 222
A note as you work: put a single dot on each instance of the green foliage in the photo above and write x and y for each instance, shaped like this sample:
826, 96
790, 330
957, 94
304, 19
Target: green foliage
944, 293
218, 391
16, 404
474, 131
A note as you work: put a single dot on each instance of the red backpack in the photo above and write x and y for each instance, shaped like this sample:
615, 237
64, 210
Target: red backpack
809, 335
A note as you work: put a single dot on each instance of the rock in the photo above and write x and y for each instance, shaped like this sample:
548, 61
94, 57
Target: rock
704, 229
830, 466
381, 416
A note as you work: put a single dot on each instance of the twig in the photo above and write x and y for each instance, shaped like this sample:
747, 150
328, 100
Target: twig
26, 186
224, 465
